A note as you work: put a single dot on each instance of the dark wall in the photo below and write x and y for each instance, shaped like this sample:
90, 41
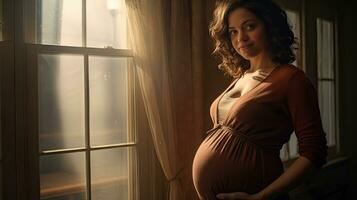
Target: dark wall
348, 90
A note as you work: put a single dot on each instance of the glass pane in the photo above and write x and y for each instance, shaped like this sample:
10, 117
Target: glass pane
60, 22
293, 18
325, 49
61, 101
326, 92
284, 153
108, 93
63, 177
113, 172
293, 146
110, 29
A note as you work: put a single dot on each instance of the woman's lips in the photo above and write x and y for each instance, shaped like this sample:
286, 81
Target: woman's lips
245, 46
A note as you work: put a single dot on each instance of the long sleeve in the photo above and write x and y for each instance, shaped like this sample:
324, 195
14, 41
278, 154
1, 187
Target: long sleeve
303, 105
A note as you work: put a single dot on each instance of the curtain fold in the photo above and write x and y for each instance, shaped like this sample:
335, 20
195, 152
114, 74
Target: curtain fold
169, 70
149, 40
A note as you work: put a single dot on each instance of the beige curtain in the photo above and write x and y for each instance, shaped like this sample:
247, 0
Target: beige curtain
160, 35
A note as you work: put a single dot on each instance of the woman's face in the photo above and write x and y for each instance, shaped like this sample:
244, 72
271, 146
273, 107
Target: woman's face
247, 33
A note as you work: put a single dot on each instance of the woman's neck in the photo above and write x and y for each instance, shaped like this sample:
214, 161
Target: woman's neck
261, 63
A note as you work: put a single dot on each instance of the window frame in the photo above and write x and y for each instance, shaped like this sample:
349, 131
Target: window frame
314, 10
8, 126
32, 51
19, 52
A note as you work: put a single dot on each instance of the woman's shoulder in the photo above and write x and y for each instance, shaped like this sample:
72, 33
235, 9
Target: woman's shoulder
289, 76
288, 72
295, 79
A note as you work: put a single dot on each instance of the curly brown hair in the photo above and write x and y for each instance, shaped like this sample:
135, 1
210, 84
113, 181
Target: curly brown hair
279, 33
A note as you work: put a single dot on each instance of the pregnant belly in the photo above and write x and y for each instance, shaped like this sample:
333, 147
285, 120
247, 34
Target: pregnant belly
226, 162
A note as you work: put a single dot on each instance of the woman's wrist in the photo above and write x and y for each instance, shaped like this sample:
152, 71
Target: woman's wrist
263, 195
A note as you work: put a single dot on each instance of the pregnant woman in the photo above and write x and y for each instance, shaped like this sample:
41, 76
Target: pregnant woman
268, 99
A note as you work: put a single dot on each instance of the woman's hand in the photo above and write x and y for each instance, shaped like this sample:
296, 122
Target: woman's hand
240, 196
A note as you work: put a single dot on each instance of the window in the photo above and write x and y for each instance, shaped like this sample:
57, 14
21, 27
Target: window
80, 81
326, 78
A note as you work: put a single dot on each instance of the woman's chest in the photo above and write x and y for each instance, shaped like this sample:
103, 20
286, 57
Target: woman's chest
245, 84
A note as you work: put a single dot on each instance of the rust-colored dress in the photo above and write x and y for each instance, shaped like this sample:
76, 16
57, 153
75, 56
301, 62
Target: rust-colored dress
241, 154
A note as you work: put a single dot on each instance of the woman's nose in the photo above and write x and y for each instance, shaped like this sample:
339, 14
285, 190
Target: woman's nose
242, 36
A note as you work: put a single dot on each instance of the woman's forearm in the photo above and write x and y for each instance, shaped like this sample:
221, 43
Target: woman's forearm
293, 176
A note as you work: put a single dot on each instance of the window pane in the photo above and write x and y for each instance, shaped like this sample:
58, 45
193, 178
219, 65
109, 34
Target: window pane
108, 92
325, 49
293, 146
284, 153
110, 170
293, 18
61, 101
63, 177
110, 29
327, 107
326, 89
60, 22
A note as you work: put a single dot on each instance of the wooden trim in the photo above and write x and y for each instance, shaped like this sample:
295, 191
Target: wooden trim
132, 128
337, 86
51, 49
1, 20
94, 148
8, 20
87, 119
32, 123
310, 41
20, 103
64, 189
8, 126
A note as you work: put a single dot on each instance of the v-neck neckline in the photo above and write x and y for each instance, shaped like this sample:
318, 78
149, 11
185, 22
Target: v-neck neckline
240, 97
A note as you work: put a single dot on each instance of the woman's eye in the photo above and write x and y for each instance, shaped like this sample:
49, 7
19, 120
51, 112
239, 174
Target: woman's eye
249, 26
